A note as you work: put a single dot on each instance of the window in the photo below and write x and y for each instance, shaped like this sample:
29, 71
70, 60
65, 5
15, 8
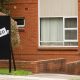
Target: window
59, 32
20, 22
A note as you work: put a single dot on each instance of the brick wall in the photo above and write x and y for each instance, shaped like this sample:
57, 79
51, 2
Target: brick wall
28, 49
29, 37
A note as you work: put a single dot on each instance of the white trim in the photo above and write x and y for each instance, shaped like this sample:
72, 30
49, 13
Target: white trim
38, 23
57, 16
21, 26
71, 40
70, 28
51, 41
61, 41
64, 40
45, 46
77, 28
63, 28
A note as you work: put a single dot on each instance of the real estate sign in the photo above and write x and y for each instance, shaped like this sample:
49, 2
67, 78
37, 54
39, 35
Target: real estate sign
5, 42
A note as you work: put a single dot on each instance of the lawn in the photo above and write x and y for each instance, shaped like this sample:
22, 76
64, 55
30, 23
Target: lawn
17, 72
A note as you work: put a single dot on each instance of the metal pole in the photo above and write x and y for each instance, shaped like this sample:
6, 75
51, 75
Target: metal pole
13, 60
10, 64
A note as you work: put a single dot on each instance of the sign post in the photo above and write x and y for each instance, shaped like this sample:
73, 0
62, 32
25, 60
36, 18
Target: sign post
6, 51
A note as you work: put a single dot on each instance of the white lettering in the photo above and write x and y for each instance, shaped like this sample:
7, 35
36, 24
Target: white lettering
3, 32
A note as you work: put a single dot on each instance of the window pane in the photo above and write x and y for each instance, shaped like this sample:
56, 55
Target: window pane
44, 30
20, 21
51, 29
71, 43
70, 22
70, 34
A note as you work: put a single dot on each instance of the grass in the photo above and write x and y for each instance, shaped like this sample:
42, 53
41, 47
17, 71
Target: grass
17, 72
75, 79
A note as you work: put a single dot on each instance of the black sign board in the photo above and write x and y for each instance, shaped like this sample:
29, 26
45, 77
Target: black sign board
5, 51
5, 40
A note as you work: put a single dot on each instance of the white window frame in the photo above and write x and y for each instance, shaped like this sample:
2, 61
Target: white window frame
63, 28
71, 29
20, 26
64, 40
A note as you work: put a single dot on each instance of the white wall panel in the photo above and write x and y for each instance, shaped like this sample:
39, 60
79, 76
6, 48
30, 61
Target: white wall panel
58, 8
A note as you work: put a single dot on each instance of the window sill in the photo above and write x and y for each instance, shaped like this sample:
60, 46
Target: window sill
21, 29
58, 48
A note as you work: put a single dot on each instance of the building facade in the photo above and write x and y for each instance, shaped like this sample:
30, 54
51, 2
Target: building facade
48, 29
39, 39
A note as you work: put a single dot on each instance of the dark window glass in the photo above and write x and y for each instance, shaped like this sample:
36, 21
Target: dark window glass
20, 21
71, 23
71, 34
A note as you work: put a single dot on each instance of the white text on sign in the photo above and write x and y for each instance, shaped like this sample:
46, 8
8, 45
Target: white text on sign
3, 32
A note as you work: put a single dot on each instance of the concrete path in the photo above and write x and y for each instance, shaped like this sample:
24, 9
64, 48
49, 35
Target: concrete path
40, 77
